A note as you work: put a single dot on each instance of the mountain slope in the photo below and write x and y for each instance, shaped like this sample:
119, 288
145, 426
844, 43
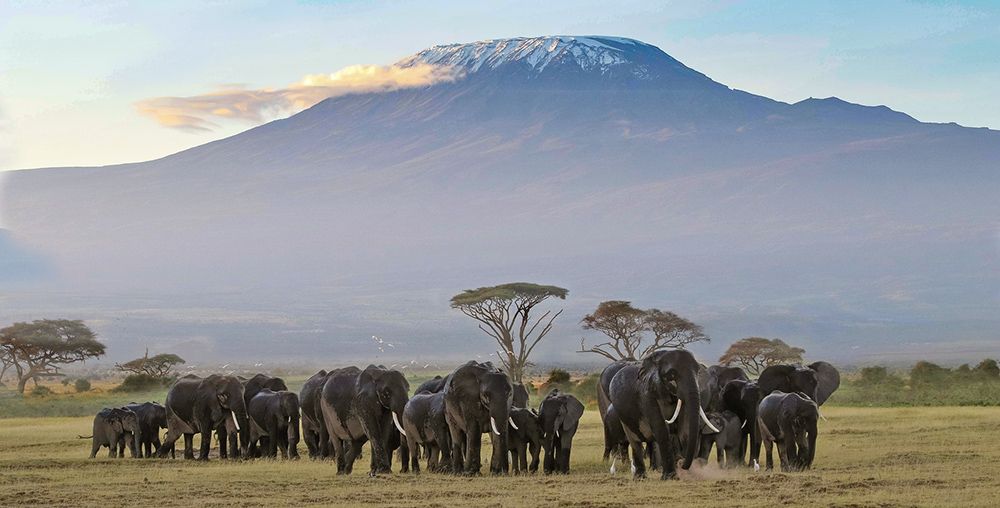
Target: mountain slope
601, 164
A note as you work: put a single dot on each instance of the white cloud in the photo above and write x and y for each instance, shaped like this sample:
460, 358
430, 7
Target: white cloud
235, 102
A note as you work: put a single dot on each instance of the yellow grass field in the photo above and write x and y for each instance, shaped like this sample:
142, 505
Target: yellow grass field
866, 457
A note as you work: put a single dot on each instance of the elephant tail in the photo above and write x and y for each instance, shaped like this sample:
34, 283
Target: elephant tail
83, 437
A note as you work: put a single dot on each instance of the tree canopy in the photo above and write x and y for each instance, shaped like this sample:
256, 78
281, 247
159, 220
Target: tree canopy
504, 313
40, 347
158, 366
634, 333
755, 354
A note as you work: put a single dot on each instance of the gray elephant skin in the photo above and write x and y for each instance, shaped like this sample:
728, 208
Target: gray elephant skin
712, 382
364, 406
524, 436
789, 420
817, 380
152, 417
250, 388
314, 431
560, 415
274, 423
519, 396
649, 398
726, 441
113, 427
742, 398
477, 399
196, 405
433, 385
426, 428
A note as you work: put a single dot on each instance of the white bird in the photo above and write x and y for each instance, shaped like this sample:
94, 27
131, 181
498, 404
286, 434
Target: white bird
390, 345
428, 365
756, 466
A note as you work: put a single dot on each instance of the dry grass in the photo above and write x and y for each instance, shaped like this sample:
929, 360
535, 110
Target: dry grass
866, 457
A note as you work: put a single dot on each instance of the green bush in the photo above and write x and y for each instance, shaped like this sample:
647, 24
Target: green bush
557, 377
41, 391
141, 383
81, 385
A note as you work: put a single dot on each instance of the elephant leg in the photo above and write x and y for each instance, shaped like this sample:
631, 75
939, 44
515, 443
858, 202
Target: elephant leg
411, 444
638, 455
473, 449
564, 459
95, 447
523, 457
339, 454
788, 454
189, 446
206, 442
769, 449
457, 438
535, 448
433, 457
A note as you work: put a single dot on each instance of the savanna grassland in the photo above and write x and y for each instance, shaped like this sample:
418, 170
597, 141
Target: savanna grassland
866, 457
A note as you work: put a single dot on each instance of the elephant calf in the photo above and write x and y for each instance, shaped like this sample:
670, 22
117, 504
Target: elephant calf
524, 434
152, 417
789, 420
560, 415
114, 428
274, 422
726, 441
425, 424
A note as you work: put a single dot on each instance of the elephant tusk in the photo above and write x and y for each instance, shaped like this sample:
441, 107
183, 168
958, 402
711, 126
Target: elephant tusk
493, 423
744, 424
399, 427
821, 415
236, 423
677, 412
613, 460
511, 422
704, 418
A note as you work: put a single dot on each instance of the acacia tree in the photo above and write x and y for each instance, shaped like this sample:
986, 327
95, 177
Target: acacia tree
504, 313
755, 354
39, 348
158, 366
634, 333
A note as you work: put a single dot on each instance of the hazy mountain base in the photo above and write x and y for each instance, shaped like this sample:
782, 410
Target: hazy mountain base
865, 457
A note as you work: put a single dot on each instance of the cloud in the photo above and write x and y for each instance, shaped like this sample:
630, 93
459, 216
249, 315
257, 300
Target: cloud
236, 102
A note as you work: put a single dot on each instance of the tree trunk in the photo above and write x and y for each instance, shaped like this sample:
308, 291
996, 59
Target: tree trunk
22, 382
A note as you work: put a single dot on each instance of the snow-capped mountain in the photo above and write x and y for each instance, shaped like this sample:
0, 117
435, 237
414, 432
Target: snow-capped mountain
600, 164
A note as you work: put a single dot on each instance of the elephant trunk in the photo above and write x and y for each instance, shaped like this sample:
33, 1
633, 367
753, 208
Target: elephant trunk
688, 392
293, 435
811, 452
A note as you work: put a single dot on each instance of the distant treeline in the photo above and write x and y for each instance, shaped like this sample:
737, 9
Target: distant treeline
926, 384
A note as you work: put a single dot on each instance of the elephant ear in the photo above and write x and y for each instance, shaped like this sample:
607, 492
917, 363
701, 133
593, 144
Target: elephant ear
731, 394
827, 380
573, 412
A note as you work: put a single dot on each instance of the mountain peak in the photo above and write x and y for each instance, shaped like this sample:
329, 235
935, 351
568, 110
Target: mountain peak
592, 54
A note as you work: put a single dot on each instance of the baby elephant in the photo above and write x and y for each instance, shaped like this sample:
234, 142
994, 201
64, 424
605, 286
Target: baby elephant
114, 428
789, 419
560, 415
274, 422
726, 441
527, 435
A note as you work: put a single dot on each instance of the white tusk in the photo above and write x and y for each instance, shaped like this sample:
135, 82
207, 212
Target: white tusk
744, 424
633, 468
704, 418
613, 460
395, 419
511, 422
236, 423
821, 415
677, 412
493, 423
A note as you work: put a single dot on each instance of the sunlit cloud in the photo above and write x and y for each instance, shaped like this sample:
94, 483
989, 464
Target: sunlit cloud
236, 102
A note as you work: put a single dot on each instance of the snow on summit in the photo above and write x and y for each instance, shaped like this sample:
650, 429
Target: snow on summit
590, 53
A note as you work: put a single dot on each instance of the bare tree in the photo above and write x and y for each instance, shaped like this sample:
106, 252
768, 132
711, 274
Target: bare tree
40, 347
504, 313
755, 354
634, 333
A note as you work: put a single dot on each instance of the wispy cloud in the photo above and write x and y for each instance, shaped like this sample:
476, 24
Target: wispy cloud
236, 102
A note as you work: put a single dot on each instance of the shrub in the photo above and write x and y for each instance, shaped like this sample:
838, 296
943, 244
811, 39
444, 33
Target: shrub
41, 391
140, 383
988, 368
65, 381
81, 385
557, 376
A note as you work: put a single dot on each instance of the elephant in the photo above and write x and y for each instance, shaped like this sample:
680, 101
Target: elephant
113, 427
274, 415
817, 380
519, 397
712, 383
742, 397
524, 435
425, 424
250, 388
152, 417
615, 440
477, 399
604, 402
434, 385
314, 431
648, 397
726, 441
559, 414
789, 420
364, 405
196, 405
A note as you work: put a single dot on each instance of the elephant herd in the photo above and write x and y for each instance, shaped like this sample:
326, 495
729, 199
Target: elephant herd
666, 408
339, 411
668, 405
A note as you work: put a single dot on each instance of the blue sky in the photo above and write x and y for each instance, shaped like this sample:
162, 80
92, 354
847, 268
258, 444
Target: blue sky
72, 72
